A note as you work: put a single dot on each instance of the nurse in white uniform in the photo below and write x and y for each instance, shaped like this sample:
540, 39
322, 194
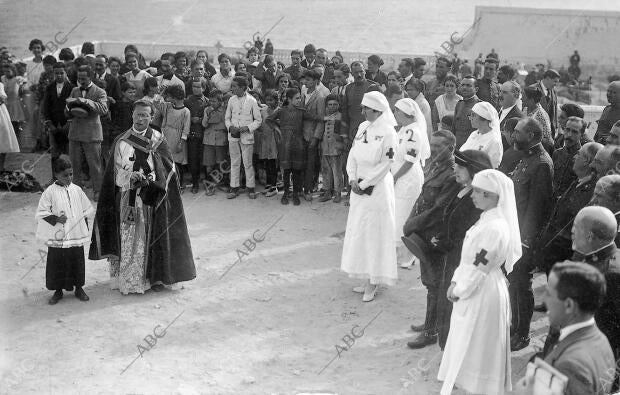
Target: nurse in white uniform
487, 137
413, 151
368, 252
477, 353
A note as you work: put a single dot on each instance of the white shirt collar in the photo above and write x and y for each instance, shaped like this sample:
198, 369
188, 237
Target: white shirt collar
567, 330
505, 111
407, 79
103, 75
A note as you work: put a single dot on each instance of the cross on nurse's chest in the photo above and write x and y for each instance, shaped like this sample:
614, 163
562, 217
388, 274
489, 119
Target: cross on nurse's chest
390, 153
481, 258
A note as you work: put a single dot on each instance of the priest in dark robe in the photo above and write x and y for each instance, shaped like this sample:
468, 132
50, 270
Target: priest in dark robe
140, 225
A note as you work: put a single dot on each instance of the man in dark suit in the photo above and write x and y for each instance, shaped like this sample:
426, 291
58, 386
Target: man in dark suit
267, 73
488, 88
85, 133
439, 184
295, 70
533, 183
582, 353
54, 102
511, 91
611, 113
112, 85
112, 88
309, 56
554, 244
549, 101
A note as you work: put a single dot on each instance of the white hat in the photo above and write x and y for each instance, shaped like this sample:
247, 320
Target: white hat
410, 107
377, 101
496, 182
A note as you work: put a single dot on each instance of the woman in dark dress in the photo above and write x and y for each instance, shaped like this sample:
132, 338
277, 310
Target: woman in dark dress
458, 216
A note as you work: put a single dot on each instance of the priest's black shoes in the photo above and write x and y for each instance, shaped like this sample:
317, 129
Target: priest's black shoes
422, 340
81, 295
56, 297
158, 287
519, 343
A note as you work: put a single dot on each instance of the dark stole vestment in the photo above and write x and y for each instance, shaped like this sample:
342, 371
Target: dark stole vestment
170, 258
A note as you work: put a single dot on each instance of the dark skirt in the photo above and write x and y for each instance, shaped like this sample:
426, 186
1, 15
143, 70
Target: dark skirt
444, 306
65, 268
292, 150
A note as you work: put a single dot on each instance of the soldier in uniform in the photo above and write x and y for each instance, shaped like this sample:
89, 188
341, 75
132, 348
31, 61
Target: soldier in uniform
439, 184
563, 158
533, 184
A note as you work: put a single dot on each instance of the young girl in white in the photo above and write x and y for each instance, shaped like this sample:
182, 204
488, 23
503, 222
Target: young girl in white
63, 223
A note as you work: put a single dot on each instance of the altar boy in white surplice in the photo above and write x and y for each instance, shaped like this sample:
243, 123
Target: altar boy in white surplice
477, 353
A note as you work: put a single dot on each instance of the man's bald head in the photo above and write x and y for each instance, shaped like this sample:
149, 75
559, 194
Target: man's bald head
594, 228
607, 161
607, 193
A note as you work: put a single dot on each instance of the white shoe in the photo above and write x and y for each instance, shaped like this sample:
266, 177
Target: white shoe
360, 290
370, 295
407, 265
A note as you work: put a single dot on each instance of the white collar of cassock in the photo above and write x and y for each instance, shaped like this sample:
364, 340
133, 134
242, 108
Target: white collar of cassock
142, 133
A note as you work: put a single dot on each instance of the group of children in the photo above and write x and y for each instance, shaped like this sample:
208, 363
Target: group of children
196, 133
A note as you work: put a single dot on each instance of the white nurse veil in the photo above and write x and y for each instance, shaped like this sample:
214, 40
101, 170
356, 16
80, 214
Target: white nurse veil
410, 107
497, 182
377, 101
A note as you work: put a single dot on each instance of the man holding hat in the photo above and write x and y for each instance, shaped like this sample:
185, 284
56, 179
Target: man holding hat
85, 106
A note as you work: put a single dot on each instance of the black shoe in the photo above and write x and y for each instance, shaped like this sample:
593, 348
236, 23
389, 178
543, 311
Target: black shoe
418, 328
519, 343
541, 308
296, 201
81, 295
195, 188
422, 340
56, 297
284, 199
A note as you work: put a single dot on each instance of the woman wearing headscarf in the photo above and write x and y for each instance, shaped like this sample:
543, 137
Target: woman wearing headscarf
411, 155
477, 353
368, 252
459, 215
487, 137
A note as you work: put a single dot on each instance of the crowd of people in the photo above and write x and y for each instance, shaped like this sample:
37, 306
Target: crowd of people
480, 181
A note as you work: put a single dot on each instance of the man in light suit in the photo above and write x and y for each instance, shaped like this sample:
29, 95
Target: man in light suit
85, 134
574, 292
549, 99
314, 102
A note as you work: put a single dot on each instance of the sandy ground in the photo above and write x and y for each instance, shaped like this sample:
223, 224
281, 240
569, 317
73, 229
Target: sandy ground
269, 326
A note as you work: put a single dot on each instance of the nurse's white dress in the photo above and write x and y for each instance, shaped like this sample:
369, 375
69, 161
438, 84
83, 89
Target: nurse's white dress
477, 352
368, 251
413, 147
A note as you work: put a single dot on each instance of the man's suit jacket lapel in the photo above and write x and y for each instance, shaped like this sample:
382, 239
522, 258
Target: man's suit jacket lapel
561, 346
